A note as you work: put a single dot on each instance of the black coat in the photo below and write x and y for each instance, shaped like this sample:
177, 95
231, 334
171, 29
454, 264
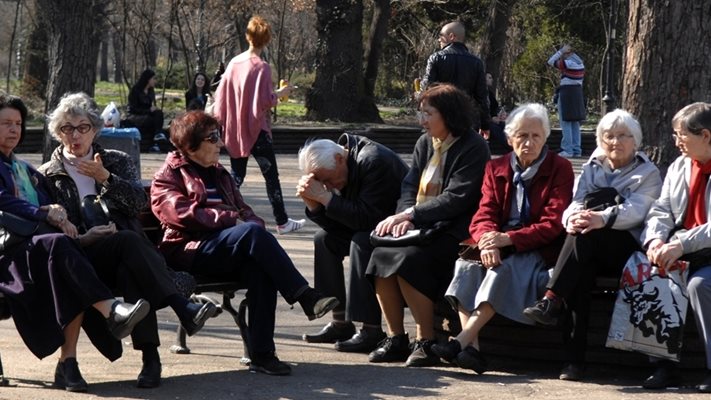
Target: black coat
374, 176
462, 181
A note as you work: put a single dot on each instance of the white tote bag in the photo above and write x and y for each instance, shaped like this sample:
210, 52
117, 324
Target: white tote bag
650, 309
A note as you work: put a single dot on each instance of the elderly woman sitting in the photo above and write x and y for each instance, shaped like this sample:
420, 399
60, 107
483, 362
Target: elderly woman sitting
51, 288
80, 170
442, 187
516, 232
212, 232
598, 220
677, 227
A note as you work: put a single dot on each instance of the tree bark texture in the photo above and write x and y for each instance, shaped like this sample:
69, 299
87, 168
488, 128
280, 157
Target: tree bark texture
73, 48
374, 48
495, 43
338, 91
666, 67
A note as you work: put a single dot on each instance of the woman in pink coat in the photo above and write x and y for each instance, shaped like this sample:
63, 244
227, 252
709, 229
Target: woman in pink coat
242, 103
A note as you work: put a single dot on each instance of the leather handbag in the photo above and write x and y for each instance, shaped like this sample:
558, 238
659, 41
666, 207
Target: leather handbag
94, 211
15, 230
602, 198
413, 237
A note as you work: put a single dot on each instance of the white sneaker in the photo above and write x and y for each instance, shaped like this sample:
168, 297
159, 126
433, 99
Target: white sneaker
291, 225
565, 154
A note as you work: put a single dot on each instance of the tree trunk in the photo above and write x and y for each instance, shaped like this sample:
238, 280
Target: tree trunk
104, 65
73, 49
493, 47
338, 91
36, 74
664, 68
118, 45
374, 49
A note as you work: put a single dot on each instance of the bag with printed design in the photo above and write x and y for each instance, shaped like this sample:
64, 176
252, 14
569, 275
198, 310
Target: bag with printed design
650, 309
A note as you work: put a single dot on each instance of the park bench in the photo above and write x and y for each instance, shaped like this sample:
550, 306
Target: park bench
203, 285
503, 337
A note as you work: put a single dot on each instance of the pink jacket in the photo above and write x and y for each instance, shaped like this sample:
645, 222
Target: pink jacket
242, 103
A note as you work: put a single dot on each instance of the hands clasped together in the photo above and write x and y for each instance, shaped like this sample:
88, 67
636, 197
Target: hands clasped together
489, 245
584, 221
664, 254
314, 193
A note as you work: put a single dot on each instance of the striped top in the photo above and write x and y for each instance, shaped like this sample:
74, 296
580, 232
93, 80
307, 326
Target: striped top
571, 68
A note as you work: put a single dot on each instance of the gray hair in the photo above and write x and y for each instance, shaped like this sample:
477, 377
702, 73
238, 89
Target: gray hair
318, 154
527, 111
693, 118
75, 105
619, 119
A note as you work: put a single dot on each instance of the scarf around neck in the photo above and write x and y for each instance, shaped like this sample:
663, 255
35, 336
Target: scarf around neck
522, 179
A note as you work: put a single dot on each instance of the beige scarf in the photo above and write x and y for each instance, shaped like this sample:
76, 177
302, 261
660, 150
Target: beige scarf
431, 180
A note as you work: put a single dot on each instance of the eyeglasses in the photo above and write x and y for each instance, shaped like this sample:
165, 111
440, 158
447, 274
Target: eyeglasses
213, 137
680, 135
69, 129
609, 139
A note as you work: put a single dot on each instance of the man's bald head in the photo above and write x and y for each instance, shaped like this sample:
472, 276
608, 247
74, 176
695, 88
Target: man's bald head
452, 32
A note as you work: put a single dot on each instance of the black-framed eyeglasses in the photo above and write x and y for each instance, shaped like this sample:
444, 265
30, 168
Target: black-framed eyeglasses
213, 137
69, 129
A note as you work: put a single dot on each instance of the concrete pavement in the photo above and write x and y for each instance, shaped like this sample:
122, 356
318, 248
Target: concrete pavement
213, 370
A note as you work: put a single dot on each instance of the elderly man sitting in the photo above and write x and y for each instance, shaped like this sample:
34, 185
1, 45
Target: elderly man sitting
348, 187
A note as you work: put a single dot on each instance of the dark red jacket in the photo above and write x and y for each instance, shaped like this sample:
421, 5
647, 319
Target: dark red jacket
178, 199
550, 192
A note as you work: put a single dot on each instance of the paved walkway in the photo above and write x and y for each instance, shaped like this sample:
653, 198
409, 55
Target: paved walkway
213, 371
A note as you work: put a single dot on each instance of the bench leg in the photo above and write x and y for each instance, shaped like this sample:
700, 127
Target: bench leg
240, 321
181, 346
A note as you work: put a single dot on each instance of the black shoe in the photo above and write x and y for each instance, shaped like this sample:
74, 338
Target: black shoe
149, 377
545, 311
125, 316
331, 333
422, 355
68, 377
269, 364
365, 341
662, 378
198, 318
315, 305
448, 351
392, 348
705, 385
471, 358
572, 372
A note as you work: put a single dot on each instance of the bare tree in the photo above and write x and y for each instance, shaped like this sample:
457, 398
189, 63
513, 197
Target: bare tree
374, 48
663, 68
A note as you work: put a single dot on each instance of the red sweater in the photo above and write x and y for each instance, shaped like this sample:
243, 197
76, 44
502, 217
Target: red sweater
549, 194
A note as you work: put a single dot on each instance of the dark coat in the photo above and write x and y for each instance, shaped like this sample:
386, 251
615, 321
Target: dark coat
179, 198
456, 65
38, 294
123, 192
550, 192
462, 181
374, 176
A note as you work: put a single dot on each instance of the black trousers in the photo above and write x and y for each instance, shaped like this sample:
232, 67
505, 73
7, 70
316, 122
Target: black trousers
131, 266
330, 248
582, 258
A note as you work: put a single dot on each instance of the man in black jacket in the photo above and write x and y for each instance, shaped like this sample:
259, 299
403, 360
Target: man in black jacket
348, 187
454, 64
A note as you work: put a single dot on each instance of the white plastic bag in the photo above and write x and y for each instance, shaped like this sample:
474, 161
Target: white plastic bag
111, 116
650, 310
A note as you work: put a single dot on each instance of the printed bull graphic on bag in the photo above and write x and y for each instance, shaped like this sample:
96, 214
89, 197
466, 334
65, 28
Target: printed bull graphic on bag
655, 311
650, 309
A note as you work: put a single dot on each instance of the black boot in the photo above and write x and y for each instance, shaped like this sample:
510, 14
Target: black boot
68, 377
315, 304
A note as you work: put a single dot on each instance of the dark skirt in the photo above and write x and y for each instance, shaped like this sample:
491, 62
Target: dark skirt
572, 103
428, 268
47, 282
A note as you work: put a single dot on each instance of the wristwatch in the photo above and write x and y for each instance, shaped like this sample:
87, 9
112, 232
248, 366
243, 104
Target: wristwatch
410, 212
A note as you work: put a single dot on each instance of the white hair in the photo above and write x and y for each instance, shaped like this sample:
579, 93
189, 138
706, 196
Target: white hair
75, 105
319, 154
527, 111
619, 119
